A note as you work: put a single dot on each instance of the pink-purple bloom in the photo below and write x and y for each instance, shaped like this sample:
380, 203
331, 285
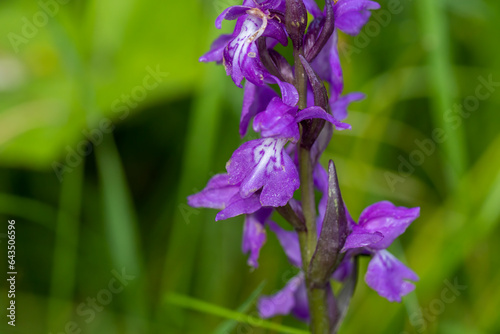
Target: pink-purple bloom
239, 52
263, 174
379, 225
263, 164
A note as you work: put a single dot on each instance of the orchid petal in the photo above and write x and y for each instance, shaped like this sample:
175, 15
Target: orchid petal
388, 276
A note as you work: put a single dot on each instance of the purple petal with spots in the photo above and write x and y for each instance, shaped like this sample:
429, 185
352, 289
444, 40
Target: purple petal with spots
289, 240
263, 163
283, 302
251, 66
248, 57
228, 52
242, 59
242, 49
388, 276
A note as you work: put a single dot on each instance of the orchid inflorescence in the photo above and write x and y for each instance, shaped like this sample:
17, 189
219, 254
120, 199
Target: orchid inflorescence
295, 128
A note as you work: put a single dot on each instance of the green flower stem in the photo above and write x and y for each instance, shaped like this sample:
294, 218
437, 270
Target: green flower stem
316, 296
308, 202
318, 305
300, 79
308, 239
305, 166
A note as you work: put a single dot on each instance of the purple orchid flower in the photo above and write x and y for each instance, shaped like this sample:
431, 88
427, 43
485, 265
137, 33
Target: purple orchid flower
239, 51
379, 225
263, 164
262, 174
240, 13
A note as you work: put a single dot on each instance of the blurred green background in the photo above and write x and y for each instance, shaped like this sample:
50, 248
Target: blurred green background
124, 76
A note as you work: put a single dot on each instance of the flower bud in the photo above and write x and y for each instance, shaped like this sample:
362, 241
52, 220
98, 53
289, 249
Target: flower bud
296, 22
328, 25
333, 233
312, 127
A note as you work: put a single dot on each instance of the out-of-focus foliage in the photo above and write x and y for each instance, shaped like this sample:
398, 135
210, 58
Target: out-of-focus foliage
86, 212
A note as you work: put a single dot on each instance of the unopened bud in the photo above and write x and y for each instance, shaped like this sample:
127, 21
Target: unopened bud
327, 27
296, 22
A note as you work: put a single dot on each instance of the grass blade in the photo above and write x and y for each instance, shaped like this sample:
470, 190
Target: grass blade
65, 249
201, 306
443, 84
228, 325
121, 228
29, 209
